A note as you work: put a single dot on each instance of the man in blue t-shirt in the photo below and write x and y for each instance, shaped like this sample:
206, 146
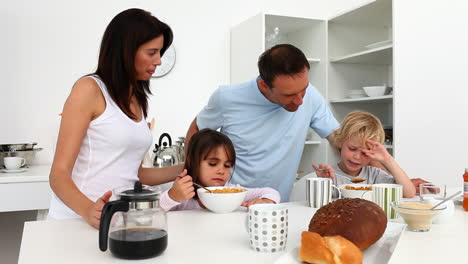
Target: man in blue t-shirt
267, 119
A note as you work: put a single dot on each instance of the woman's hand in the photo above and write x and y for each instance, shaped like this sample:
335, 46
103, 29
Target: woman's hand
324, 171
183, 189
376, 151
257, 201
93, 215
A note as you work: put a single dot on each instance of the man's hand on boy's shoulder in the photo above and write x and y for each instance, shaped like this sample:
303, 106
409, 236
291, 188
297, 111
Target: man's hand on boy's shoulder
416, 182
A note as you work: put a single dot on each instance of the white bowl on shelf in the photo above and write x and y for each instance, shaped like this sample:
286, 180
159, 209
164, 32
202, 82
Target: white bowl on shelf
373, 91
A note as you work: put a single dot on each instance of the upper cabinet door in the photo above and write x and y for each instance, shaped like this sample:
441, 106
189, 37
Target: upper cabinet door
247, 43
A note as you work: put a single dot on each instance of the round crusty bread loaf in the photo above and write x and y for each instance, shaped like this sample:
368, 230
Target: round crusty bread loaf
360, 221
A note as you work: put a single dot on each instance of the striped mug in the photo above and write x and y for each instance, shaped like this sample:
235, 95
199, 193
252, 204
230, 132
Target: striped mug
319, 191
384, 195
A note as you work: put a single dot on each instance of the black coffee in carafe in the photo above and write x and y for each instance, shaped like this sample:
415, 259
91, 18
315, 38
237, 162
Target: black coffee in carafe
137, 243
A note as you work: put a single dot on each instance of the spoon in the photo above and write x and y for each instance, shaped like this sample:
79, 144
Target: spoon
354, 180
446, 199
196, 184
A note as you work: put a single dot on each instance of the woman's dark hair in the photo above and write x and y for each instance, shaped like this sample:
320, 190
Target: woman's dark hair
116, 67
282, 59
200, 146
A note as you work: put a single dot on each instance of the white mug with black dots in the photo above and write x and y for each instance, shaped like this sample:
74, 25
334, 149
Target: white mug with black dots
267, 225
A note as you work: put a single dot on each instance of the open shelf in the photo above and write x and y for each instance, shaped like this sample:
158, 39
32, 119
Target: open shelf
312, 142
313, 60
381, 55
376, 99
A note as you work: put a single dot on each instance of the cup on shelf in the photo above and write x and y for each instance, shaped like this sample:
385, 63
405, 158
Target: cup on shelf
13, 163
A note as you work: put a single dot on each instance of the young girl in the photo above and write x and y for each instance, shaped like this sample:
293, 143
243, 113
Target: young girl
210, 157
359, 141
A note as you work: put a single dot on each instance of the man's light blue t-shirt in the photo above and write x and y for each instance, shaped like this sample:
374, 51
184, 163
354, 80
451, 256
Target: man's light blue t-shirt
268, 139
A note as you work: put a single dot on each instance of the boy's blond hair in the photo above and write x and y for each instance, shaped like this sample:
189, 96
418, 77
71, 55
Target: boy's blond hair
364, 125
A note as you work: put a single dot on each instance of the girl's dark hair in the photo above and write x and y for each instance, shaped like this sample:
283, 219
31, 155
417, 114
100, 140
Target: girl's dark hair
282, 59
116, 67
200, 146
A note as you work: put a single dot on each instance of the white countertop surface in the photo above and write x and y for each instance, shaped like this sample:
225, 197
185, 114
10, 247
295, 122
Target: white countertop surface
199, 236
35, 173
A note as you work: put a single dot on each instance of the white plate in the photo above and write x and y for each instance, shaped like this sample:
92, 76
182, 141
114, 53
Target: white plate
13, 171
379, 44
380, 252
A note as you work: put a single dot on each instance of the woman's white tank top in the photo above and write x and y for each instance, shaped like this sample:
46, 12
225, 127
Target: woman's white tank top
110, 155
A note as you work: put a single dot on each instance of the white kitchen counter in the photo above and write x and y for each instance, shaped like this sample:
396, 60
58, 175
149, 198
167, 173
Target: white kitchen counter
199, 236
35, 173
27, 190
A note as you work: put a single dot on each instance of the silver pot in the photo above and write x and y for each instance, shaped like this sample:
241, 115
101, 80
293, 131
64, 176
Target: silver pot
14, 147
27, 154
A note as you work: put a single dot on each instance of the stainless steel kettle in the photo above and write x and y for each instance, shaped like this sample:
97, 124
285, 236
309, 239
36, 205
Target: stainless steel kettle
165, 154
180, 148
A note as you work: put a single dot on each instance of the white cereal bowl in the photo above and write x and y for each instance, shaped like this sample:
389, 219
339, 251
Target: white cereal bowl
373, 91
221, 202
363, 194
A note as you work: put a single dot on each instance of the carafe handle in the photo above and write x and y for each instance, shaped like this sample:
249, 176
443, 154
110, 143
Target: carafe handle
107, 212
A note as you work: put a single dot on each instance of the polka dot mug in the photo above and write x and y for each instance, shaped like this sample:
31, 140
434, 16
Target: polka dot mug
267, 225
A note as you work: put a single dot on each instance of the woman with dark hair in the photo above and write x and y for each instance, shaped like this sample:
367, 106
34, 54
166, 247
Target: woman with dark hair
210, 158
103, 134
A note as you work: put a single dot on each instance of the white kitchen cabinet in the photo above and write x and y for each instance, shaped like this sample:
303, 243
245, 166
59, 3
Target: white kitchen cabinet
250, 39
340, 61
355, 60
29, 190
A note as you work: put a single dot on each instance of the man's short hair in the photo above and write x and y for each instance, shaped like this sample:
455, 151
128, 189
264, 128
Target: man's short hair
282, 59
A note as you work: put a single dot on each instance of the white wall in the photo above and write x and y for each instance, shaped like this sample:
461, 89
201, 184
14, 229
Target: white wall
431, 94
47, 45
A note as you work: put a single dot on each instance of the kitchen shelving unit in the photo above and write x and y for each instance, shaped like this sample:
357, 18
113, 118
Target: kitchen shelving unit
353, 65
340, 57
380, 55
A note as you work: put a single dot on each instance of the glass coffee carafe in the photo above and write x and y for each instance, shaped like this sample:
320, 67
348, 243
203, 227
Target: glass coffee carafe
134, 225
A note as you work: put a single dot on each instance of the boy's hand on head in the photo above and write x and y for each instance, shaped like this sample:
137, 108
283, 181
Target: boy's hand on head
376, 151
257, 201
182, 189
324, 171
